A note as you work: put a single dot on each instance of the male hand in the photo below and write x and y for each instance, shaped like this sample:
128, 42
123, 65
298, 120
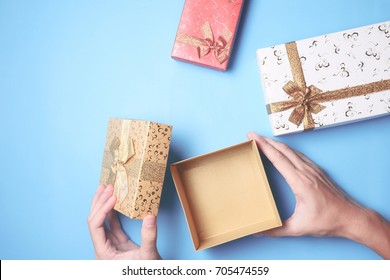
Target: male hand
321, 208
108, 238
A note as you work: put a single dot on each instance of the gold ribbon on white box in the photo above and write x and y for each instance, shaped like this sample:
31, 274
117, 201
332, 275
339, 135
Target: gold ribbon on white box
306, 100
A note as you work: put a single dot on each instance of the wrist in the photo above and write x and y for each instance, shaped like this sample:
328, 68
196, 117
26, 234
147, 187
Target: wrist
368, 228
358, 224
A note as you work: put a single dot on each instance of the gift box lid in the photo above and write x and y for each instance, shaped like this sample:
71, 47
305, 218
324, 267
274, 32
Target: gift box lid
134, 162
206, 32
327, 80
225, 195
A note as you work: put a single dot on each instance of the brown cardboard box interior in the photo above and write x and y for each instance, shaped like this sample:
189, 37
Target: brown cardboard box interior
225, 195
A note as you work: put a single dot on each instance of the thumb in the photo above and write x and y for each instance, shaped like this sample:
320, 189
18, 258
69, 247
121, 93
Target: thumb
149, 236
287, 229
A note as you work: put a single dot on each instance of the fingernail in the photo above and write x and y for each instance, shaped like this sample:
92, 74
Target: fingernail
149, 221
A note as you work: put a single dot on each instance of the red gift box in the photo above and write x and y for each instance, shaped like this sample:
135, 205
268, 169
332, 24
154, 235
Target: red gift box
206, 32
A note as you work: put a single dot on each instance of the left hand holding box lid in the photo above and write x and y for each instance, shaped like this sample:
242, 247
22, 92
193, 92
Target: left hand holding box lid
109, 239
134, 162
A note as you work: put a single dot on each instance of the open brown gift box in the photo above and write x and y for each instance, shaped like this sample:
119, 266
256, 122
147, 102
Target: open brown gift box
225, 195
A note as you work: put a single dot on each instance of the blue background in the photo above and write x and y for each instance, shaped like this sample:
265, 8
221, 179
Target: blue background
67, 66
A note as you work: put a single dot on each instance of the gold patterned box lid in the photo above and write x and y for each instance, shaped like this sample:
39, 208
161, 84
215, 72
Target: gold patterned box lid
134, 162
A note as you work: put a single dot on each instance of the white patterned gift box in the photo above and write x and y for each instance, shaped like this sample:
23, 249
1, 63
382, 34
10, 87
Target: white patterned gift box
327, 80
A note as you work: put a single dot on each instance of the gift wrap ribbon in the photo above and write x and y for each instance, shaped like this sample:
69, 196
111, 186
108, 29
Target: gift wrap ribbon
207, 43
122, 164
121, 153
306, 100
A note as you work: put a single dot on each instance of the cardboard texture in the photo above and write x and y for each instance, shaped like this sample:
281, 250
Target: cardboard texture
225, 195
327, 80
206, 32
134, 161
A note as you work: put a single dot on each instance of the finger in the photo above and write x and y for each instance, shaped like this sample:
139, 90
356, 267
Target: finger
97, 218
149, 235
102, 202
98, 193
290, 153
309, 162
96, 223
303, 162
278, 159
113, 221
102, 198
116, 228
322, 175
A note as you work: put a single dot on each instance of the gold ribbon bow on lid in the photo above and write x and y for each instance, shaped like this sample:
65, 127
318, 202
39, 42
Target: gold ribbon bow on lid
208, 43
306, 99
303, 102
122, 153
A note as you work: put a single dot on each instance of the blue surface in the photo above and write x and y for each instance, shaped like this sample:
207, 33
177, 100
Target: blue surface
67, 66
